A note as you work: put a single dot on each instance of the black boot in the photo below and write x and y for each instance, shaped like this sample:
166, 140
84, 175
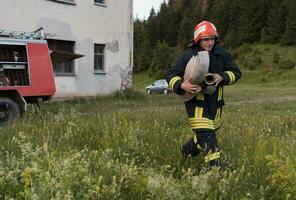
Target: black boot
213, 159
215, 163
189, 149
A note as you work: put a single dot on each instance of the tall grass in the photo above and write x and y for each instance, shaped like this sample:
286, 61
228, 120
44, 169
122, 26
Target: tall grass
126, 146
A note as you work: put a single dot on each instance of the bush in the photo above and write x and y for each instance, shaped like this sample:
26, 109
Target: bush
129, 94
256, 51
242, 54
276, 58
244, 49
286, 64
253, 62
234, 53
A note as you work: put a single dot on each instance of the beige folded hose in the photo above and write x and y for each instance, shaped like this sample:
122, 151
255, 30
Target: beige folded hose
196, 72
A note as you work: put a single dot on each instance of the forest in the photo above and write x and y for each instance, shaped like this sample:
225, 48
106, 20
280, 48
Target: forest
161, 37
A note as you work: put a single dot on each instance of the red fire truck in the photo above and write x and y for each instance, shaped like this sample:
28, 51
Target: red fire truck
26, 72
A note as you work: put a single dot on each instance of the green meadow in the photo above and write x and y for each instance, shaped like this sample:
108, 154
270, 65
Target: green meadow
126, 146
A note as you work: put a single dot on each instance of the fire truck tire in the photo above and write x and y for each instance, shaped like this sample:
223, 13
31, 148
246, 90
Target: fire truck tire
9, 111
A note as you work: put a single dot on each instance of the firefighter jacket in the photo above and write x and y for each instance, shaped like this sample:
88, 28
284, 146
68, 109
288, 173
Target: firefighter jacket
204, 111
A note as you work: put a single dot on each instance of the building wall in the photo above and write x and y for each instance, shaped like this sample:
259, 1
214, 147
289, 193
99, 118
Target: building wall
86, 23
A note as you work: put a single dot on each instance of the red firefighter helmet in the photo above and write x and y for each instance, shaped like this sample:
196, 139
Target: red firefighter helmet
204, 29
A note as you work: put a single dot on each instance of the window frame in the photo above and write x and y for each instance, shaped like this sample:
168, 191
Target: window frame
63, 65
65, 1
103, 4
103, 54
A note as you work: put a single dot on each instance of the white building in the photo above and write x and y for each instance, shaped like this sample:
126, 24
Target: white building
101, 30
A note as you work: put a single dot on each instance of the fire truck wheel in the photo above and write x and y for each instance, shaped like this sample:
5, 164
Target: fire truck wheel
9, 111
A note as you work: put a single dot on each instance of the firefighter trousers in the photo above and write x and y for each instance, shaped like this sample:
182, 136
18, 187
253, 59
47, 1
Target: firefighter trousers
206, 142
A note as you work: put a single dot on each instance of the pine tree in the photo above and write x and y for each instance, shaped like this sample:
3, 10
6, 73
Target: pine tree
225, 15
152, 32
276, 22
185, 32
252, 19
161, 59
142, 47
219, 15
205, 7
289, 37
173, 21
161, 26
190, 17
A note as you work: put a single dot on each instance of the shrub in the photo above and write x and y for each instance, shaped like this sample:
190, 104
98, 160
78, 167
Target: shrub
286, 64
128, 95
256, 51
253, 62
244, 49
276, 58
234, 53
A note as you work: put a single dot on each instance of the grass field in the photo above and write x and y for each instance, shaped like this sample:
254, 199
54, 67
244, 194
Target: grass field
126, 146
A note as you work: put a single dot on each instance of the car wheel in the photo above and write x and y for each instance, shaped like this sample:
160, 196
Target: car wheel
165, 91
148, 91
9, 111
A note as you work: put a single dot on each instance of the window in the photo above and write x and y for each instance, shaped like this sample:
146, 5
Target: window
65, 1
62, 50
65, 68
100, 1
99, 57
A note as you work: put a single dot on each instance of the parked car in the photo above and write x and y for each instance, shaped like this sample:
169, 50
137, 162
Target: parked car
158, 87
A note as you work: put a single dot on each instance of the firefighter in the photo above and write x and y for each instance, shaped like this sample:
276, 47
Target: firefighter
204, 110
